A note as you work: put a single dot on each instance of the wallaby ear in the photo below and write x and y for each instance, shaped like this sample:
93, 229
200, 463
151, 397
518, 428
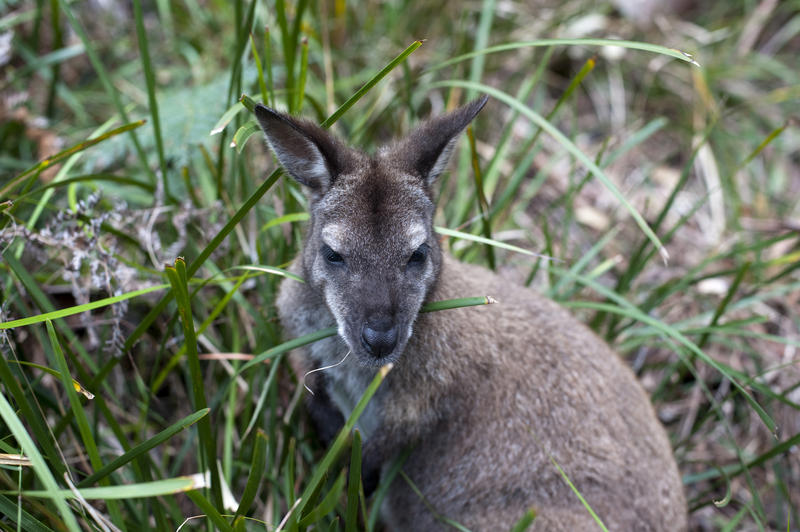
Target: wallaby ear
427, 149
311, 155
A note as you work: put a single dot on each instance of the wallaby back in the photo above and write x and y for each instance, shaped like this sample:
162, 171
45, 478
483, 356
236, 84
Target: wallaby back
497, 404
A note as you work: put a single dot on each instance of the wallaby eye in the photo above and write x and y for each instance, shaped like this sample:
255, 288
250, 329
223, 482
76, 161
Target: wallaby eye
331, 256
419, 255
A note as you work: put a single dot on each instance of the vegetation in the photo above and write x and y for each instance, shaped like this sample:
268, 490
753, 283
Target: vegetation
144, 230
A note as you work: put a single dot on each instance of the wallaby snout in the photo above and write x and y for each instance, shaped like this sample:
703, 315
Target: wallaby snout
379, 337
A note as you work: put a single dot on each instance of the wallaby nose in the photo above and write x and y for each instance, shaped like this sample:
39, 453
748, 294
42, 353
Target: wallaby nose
379, 337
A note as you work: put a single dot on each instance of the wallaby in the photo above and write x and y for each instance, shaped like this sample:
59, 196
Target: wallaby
492, 400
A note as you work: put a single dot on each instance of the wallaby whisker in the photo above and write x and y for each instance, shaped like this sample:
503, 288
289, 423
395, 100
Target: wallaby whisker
307, 373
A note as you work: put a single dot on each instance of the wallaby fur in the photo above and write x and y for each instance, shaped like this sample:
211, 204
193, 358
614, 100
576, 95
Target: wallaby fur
489, 399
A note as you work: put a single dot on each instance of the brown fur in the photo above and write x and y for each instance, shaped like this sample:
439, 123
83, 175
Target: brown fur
489, 398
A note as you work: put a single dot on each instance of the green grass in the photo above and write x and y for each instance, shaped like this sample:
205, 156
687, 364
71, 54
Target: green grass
144, 231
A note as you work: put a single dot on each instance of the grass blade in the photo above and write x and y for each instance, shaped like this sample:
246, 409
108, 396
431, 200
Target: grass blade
569, 146
327, 504
371, 83
47, 162
353, 485
257, 469
646, 47
259, 69
39, 466
578, 494
671, 332
226, 117
243, 134
481, 40
208, 450
138, 490
338, 444
483, 240
483, 205
144, 447
215, 312
301, 82
105, 80
447, 304
75, 384
152, 102
525, 521
286, 218
16, 514
77, 309
89, 443
210, 511
331, 331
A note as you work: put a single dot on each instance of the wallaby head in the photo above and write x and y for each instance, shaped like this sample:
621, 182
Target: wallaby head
370, 253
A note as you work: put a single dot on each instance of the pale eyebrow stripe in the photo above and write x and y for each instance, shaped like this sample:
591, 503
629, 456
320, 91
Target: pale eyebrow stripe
416, 235
333, 235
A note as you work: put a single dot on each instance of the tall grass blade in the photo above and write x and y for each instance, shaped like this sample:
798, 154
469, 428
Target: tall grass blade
215, 312
568, 145
79, 413
371, 83
36, 422
50, 371
353, 485
88, 178
634, 45
481, 40
448, 304
143, 447
150, 81
257, 470
14, 512
578, 494
105, 79
327, 504
268, 65
262, 85
338, 444
47, 162
77, 309
177, 275
137, 490
220, 523
226, 117
29, 448
483, 205
525, 521
723, 305
301, 82
671, 332
395, 467
243, 134
496, 243
288, 346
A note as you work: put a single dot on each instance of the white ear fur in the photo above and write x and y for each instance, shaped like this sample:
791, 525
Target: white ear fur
441, 161
427, 149
295, 144
310, 167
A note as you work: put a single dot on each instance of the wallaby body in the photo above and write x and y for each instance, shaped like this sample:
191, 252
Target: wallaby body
492, 400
